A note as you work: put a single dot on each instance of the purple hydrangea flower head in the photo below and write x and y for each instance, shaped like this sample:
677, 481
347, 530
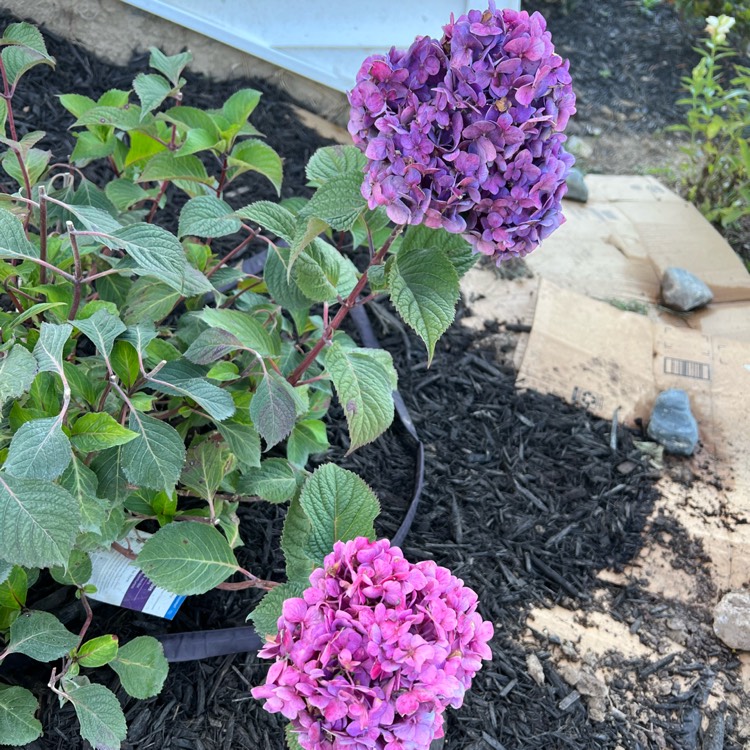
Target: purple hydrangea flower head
465, 132
372, 653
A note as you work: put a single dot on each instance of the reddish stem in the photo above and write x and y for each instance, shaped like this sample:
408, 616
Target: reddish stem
231, 254
157, 200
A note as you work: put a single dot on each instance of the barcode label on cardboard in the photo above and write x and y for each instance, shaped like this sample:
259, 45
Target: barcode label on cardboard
686, 368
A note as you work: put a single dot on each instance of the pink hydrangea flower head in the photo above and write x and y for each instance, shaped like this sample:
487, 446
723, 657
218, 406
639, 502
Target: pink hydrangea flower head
465, 132
374, 651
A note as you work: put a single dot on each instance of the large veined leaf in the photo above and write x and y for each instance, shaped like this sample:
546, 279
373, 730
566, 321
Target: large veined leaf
205, 468
170, 65
41, 636
458, 251
300, 562
102, 328
273, 408
152, 90
338, 201
13, 242
245, 327
208, 216
243, 441
340, 506
17, 372
274, 480
267, 613
424, 289
98, 651
271, 216
334, 161
148, 299
141, 666
81, 482
187, 558
18, 723
256, 156
364, 380
99, 431
40, 521
211, 345
48, 351
100, 715
156, 457
39, 450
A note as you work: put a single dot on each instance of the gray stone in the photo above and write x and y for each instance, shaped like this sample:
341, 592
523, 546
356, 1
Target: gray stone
535, 668
577, 190
673, 424
683, 291
732, 620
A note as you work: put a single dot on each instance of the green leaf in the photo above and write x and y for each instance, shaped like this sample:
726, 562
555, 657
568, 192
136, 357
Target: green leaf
308, 438
187, 558
14, 589
240, 105
98, 651
127, 117
207, 216
152, 90
273, 409
334, 161
148, 299
424, 289
90, 146
13, 242
364, 380
39, 450
271, 216
18, 60
108, 467
267, 613
140, 336
243, 441
76, 572
35, 161
40, 521
26, 35
5, 570
284, 290
197, 140
256, 156
454, 246
290, 734
155, 458
124, 361
182, 379
211, 345
100, 716
171, 65
323, 274
41, 636
99, 431
142, 147
18, 723
82, 484
340, 506
48, 351
159, 253
102, 328
76, 104
17, 373
245, 327
205, 468
224, 371
124, 194
300, 563
142, 667
166, 166
274, 480
338, 202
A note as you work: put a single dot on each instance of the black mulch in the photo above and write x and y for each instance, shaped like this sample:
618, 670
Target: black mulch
524, 499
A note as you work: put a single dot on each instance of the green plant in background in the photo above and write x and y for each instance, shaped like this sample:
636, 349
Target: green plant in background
716, 176
700, 9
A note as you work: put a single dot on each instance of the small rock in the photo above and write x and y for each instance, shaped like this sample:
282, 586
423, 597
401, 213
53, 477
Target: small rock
732, 620
683, 291
577, 190
578, 147
673, 424
536, 670
591, 685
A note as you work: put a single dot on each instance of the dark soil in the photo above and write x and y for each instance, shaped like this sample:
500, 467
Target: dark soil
525, 499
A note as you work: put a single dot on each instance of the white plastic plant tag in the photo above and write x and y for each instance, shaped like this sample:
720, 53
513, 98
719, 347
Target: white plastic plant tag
120, 583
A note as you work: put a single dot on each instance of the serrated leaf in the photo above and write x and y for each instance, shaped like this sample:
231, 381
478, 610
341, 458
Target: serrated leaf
76, 104
294, 543
211, 345
35, 161
364, 380
90, 146
99, 431
102, 328
5, 571
205, 468
140, 336
17, 60
284, 290
338, 201
48, 351
13, 242
273, 409
323, 274
274, 480
18, 723
308, 438
26, 35
152, 90
17, 372
126, 117
111, 482
182, 379
155, 458
424, 289
243, 441
124, 194
240, 105
14, 589
148, 300
166, 166
265, 616
197, 140
75, 572
39, 450
40, 521
100, 716
340, 506
98, 651
245, 327
142, 667
41, 636
256, 156
171, 65
334, 161
187, 558
454, 246
124, 361
207, 216
271, 216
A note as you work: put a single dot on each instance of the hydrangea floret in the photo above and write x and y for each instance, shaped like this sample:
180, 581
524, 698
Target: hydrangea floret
465, 132
374, 651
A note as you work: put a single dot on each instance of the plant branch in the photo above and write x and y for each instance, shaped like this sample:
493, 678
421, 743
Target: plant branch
78, 273
89, 616
231, 254
157, 200
42, 232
